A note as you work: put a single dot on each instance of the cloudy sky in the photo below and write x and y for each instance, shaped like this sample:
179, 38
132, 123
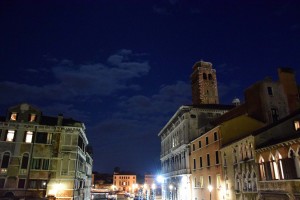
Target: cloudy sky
123, 67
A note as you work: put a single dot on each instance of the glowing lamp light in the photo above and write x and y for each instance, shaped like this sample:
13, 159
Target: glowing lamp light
210, 188
153, 186
160, 179
171, 187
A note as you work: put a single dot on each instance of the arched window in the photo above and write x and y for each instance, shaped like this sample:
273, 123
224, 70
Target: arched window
262, 168
25, 160
204, 76
279, 159
274, 167
209, 77
237, 183
254, 188
5, 160
249, 179
245, 182
234, 156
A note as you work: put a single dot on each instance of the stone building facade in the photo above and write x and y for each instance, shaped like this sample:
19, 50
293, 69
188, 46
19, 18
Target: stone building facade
187, 124
43, 156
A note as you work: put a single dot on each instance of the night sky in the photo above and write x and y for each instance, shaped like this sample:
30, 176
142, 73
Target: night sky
123, 67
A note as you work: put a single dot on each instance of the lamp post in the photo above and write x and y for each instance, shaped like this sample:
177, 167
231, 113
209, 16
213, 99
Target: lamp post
171, 192
210, 189
153, 191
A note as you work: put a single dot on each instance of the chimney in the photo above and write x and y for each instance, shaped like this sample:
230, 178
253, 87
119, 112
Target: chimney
60, 119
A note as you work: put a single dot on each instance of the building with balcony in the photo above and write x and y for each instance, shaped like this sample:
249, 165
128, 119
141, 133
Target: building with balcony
43, 156
278, 159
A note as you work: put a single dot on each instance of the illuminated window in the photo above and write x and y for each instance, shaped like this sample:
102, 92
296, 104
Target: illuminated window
297, 125
32, 118
201, 181
28, 137
218, 181
10, 136
13, 116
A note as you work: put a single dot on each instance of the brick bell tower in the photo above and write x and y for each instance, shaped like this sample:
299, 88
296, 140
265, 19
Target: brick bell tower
204, 84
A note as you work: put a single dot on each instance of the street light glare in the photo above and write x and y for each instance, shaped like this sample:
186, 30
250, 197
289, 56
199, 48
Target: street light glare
210, 188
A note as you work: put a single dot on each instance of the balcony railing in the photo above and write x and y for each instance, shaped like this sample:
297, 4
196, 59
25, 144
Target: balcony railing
292, 185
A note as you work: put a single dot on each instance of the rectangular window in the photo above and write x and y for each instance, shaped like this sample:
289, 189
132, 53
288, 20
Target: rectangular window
208, 160
195, 182
45, 164
2, 181
28, 136
32, 117
218, 181
194, 163
206, 139
36, 163
209, 180
201, 162
43, 138
217, 158
297, 125
33, 184
193, 147
270, 91
200, 144
21, 183
13, 116
10, 136
201, 182
275, 115
215, 136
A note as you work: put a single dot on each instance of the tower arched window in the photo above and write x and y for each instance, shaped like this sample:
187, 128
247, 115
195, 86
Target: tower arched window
209, 77
204, 76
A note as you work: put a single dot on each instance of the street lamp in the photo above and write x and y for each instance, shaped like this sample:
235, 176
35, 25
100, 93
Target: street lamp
171, 188
210, 189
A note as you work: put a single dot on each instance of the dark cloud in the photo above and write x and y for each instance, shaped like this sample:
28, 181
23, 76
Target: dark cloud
84, 80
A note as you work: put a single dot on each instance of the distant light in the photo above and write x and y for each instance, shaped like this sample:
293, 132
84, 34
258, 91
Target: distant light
160, 179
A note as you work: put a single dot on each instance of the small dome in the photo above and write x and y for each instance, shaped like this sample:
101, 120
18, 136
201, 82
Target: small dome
236, 101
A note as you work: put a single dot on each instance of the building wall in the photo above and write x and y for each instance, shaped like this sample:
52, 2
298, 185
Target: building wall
266, 101
124, 182
210, 172
40, 163
288, 80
